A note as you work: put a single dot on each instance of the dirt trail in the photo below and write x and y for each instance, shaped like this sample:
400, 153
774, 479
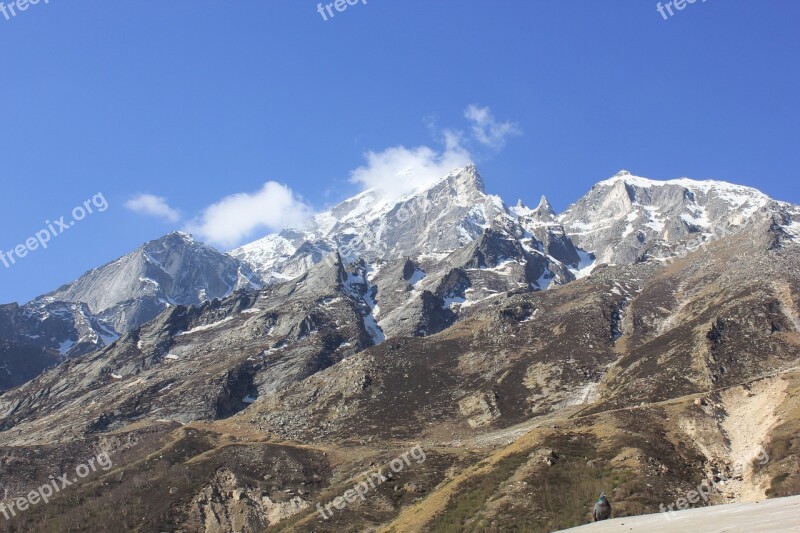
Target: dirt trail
506, 436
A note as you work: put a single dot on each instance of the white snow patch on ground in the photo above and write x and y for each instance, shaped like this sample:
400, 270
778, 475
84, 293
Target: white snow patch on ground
545, 280
433, 256
501, 267
631, 218
585, 266
252, 310
583, 226
370, 321
700, 217
451, 301
416, 277
354, 285
373, 270
793, 229
206, 327
172, 357
656, 223
65, 346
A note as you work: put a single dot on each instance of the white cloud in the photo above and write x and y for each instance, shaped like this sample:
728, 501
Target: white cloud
228, 222
154, 206
391, 172
487, 130
397, 170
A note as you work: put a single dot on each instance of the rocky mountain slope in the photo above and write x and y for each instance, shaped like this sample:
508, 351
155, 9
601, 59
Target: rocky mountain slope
173, 270
627, 218
657, 357
93, 311
39, 335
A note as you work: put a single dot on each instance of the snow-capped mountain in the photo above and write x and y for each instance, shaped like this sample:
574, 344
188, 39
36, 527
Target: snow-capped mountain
438, 219
628, 218
462, 245
171, 270
621, 220
415, 265
446, 318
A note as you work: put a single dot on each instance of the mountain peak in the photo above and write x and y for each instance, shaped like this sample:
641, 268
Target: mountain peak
177, 235
731, 192
544, 204
544, 211
467, 179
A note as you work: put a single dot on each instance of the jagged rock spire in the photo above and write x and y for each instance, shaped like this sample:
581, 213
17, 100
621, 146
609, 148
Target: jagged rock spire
544, 211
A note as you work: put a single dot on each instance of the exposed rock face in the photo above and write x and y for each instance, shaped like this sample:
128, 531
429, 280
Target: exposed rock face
41, 334
93, 311
246, 406
173, 270
479, 409
628, 218
438, 219
225, 506
270, 339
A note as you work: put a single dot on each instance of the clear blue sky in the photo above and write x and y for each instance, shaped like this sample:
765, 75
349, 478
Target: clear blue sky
196, 100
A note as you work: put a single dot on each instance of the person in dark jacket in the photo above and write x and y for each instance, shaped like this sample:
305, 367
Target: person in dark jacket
602, 508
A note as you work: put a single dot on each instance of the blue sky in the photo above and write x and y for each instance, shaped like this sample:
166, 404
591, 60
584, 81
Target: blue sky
196, 101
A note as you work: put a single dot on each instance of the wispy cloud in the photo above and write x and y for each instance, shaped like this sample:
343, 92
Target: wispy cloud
391, 172
153, 206
238, 216
487, 130
397, 170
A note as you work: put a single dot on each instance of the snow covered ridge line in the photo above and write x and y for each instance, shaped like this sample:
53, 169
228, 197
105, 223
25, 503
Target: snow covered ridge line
356, 246
705, 488
46, 491
339, 5
53, 229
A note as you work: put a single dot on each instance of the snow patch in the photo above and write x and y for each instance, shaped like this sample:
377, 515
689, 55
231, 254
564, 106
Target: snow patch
206, 327
586, 265
416, 277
